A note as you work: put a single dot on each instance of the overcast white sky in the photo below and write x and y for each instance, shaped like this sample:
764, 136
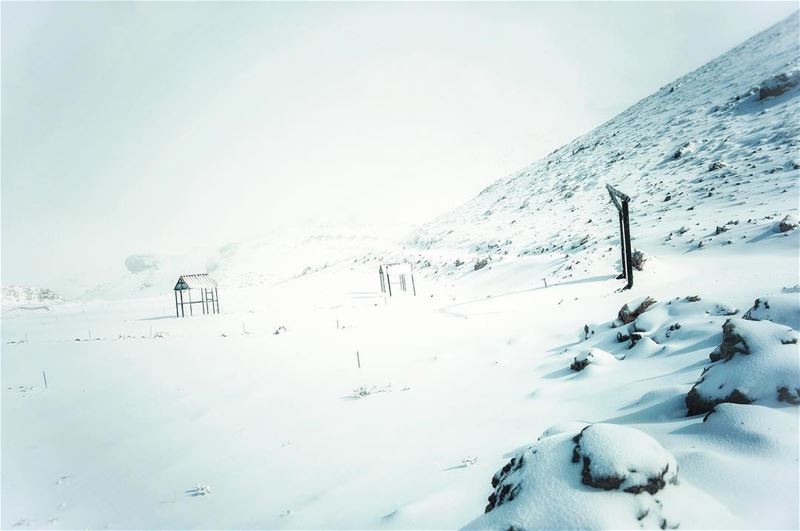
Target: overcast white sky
156, 127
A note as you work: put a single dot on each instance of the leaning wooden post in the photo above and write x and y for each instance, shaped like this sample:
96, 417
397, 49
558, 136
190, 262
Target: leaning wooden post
628, 247
622, 246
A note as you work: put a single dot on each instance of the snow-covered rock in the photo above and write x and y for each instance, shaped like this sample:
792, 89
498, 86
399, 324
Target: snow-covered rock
598, 476
593, 356
782, 309
757, 361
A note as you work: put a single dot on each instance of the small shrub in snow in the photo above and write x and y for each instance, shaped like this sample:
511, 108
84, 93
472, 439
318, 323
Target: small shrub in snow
756, 362
481, 263
717, 165
638, 258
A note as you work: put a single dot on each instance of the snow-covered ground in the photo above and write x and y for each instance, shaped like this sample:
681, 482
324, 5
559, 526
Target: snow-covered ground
115, 414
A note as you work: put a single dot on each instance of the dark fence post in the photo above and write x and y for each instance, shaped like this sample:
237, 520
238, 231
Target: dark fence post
621, 201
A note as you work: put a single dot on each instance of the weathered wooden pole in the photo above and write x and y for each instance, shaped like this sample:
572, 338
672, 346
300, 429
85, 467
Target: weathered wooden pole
628, 250
621, 246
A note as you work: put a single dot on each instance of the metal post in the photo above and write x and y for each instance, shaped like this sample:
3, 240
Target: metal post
389, 282
413, 286
628, 251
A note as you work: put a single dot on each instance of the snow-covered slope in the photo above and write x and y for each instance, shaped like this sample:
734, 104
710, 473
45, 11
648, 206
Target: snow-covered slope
712, 159
491, 400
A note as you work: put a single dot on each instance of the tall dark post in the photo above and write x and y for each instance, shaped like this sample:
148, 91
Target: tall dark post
621, 246
621, 201
628, 252
413, 286
177, 314
389, 282
216, 296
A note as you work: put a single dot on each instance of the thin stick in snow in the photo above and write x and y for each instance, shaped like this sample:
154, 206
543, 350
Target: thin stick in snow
358, 359
545, 282
44, 376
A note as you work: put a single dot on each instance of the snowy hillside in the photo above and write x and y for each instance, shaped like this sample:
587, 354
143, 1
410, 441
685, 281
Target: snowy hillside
521, 388
710, 160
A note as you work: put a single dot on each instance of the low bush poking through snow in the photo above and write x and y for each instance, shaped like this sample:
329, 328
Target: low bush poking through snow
756, 362
594, 356
638, 259
598, 476
782, 309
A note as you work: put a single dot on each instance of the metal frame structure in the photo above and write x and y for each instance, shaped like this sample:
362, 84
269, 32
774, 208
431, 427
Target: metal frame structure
399, 270
209, 295
621, 201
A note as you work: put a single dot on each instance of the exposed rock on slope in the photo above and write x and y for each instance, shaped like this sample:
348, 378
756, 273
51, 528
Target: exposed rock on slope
597, 476
756, 362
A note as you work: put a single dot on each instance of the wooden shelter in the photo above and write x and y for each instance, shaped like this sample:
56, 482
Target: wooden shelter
400, 273
204, 286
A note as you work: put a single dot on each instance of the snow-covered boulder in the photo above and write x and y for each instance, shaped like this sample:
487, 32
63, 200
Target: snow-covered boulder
779, 83
757, 361
782, 309
593, 477
594, 356
621, 458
